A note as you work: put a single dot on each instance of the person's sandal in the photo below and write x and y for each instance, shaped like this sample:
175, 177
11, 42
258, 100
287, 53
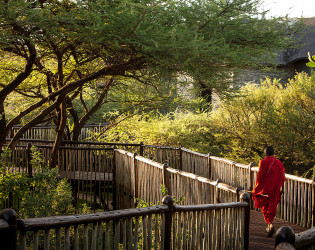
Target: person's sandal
270, 230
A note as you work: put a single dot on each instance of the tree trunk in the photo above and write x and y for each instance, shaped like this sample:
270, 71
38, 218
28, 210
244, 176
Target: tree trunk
3, 133
37, 120
79, 124
60, 134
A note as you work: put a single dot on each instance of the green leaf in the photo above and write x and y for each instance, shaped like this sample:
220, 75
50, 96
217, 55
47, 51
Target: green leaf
311, 64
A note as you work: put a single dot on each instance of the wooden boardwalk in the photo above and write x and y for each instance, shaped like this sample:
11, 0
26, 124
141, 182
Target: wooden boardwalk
257, 237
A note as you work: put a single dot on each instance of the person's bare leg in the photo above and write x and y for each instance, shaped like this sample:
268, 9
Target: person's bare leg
270, 229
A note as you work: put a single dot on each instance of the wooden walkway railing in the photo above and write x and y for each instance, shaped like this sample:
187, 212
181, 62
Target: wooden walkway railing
297, 204
48, 132
166, 226
138, 177
218, 179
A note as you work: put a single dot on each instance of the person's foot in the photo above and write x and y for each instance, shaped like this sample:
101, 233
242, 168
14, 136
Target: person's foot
270, 230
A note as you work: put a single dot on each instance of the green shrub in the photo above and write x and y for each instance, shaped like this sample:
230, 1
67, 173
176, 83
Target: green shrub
270, 114
39, 196
186, 129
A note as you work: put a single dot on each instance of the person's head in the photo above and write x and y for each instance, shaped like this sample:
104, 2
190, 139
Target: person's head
269, 151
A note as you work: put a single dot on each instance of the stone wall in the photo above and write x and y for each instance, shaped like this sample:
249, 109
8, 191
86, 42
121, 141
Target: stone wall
256, 76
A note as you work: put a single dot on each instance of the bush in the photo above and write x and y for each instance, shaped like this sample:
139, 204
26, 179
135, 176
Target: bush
39, 196
265, 114
188, 129
270, 114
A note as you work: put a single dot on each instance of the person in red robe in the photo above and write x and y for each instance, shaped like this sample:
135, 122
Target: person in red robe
266, 193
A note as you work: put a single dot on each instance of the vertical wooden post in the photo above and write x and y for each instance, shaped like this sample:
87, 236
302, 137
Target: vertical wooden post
180, 167
62, 144
166, 179
250, 184
114, 185
180, 158
217, 191
209, 164
10, 199
245, 197
141, 148
250, 177
168, 200
8, 238
135, 180
238, 189
285, 234
29, 158
313, 200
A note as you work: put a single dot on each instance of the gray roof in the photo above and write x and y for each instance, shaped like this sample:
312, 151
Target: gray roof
305, 43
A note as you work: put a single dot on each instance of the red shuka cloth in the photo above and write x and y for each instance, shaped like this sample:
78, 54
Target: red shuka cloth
270, 178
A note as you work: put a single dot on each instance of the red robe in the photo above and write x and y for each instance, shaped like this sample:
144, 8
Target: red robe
266, 193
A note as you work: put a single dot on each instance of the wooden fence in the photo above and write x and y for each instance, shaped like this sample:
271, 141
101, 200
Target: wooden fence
167, 226
48, 132
138, 177
297, 203
88, 169
162, 154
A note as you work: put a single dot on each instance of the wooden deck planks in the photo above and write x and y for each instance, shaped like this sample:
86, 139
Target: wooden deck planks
257, 237
86, 176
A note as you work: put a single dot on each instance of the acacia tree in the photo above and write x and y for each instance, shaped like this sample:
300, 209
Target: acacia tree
65, 45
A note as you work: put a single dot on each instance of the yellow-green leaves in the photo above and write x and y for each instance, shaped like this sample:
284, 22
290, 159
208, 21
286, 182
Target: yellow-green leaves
311, 62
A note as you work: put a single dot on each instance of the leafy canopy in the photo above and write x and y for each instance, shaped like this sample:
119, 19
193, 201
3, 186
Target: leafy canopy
53, 50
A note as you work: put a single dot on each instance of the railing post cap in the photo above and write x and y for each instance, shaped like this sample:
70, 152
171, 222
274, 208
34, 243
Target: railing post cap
285, 234
9, 215
285, 246
245, 197
168, 200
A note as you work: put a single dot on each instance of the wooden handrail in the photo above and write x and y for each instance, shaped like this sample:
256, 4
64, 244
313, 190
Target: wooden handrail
161, 147
190, 208
305, 239
291, 177
193, 152
119, 217
146, 160
71, 220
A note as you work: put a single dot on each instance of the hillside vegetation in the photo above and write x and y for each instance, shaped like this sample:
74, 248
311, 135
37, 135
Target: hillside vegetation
266, 114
